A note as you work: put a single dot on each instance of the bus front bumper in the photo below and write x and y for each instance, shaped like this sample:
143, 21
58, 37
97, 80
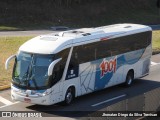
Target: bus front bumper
40, 100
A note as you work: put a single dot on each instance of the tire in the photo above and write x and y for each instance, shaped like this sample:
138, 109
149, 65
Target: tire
129, 79
69, 96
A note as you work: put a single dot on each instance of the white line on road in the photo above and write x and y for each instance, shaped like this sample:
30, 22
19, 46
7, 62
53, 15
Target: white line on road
9, 104
94, 105
154, 63
5, 101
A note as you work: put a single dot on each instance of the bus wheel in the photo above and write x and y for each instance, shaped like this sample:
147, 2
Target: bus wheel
69, 96
129, 79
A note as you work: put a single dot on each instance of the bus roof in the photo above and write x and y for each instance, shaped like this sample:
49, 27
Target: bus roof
53, 43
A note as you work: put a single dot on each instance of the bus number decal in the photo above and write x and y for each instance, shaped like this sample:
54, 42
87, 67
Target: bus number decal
108, 66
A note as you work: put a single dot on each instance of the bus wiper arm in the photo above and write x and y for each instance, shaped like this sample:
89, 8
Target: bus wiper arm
35, 84
24, 77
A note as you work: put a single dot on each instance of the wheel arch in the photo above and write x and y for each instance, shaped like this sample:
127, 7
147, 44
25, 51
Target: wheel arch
73, 87
129, 78
131, 71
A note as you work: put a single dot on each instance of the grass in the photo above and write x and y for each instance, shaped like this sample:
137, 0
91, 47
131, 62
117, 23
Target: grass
10, 45
8, 28
156, 42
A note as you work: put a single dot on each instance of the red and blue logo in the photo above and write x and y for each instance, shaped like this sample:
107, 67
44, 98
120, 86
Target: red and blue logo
108, 66
105, 71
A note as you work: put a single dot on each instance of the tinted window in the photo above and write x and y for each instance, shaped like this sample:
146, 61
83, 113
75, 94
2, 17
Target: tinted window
84, 53
111, 47
59, 67
129, 43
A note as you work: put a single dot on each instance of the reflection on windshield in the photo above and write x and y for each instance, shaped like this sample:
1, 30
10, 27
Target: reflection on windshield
31, 70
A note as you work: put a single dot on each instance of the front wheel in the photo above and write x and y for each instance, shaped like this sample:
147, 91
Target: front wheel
69, 96
129, 79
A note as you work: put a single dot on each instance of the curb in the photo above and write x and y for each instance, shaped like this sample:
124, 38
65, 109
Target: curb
156, 52
60, 28
4, 87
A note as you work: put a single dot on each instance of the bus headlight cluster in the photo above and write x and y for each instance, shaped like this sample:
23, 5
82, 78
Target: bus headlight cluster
33, 92
41, 94
44, 94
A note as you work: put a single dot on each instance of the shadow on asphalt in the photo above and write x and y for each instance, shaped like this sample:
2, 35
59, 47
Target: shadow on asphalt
139, 94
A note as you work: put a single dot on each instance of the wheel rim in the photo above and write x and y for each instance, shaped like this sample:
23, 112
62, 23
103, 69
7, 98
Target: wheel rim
69, 97
129, 80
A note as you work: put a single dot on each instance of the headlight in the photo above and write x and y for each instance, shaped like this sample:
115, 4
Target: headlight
44, 94
33, 92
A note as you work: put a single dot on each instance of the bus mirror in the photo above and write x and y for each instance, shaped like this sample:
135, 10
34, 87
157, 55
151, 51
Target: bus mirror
51, 66
8, 60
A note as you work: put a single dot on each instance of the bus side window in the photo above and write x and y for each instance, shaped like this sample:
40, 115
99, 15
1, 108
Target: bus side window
73, 67
103, 49
59, 67
57, 73
73, 62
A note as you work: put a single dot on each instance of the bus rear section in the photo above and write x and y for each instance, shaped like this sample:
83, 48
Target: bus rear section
110, 62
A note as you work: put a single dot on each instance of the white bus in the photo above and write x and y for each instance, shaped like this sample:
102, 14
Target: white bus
58, 67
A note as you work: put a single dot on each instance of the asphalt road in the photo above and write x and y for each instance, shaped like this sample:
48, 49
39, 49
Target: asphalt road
40, 32
91, 102
25, 33
155, 27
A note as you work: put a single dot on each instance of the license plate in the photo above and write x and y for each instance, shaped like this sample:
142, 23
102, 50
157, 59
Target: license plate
27, 100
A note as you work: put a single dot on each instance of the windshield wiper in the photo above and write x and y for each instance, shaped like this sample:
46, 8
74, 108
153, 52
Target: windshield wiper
24, 77
34, 82
30, 76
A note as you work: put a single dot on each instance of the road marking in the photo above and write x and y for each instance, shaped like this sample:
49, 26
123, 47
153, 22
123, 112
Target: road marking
94, 105
5, 101
154, 63
9, 104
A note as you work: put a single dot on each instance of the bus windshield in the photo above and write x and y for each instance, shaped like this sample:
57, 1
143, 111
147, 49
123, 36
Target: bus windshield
31, 70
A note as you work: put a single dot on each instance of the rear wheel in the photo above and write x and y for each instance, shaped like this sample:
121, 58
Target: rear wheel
129, 79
